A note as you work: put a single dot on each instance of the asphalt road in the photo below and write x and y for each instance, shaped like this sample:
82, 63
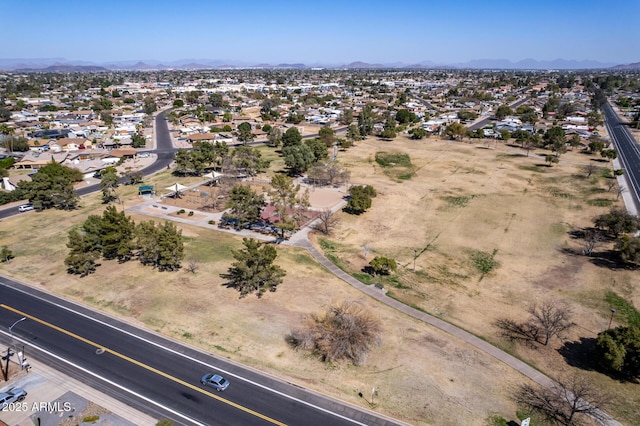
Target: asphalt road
164, 151
156, 375
628, 151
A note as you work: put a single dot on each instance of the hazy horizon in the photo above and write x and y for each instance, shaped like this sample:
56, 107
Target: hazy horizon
333, 32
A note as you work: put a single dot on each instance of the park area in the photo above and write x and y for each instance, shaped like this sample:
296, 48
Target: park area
452, 207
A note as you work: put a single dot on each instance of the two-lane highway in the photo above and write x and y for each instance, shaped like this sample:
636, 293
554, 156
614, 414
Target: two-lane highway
628, 151
157, 375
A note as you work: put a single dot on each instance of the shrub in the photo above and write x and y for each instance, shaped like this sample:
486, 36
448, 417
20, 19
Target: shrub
345, 331
181, 211
190, 213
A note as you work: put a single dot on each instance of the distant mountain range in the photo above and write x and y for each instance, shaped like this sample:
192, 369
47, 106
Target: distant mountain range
63, 65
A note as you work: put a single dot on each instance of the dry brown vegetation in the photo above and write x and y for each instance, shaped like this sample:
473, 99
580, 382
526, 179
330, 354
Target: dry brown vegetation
460, 201
465, 199
344, 331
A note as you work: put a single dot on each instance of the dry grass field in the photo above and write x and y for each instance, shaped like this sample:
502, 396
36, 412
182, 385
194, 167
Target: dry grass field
461, 200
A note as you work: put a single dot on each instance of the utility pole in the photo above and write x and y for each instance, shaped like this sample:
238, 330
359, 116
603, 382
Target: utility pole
415, 255
5, 372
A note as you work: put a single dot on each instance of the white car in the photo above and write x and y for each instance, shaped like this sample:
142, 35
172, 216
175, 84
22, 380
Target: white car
25, 207
11, 396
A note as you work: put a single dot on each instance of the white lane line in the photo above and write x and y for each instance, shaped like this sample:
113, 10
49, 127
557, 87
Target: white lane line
144, 398
194, 359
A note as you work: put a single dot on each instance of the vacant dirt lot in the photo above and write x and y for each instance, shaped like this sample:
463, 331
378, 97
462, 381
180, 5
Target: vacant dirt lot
465, 199
461, 200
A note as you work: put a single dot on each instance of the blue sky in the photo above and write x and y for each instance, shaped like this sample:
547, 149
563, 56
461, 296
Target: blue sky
325, 31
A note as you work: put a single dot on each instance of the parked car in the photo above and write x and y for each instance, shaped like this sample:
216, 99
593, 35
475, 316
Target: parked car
215, 381
11, 396
25, 207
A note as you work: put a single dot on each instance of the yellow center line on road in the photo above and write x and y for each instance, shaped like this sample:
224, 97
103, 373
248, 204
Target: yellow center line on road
145, 366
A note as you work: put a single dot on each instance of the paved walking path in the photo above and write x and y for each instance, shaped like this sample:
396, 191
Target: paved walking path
301, 239
380, 295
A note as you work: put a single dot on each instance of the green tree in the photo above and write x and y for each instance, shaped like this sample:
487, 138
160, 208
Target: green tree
6, 254
138, 141
365, 121
245, 204
505, 135
555, 136
116, 234
254, 269
170, 247
618, 351
359, 200
389, 131
596, 146
227, 117
346, 117
189, 162
617, 221
629, 248
295, 118
245, 133
575, 141
319, 149
149, 105
216, 100
383, 265
178, 103
160, 246
404, 116
467, 115
247, 160
52, 187
353, 133
455, 131
298, 158
503, 111
275, 137
291, 137
290, 206
611, 154
551, 159
15, 144
82, 254
107, 117
418, 133
327, 135
108, 185
192, 97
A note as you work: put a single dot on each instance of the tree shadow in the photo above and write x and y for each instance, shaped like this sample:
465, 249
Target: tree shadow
579, 353
611, 259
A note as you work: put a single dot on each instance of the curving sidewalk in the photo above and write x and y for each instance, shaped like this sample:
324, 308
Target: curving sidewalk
302, 241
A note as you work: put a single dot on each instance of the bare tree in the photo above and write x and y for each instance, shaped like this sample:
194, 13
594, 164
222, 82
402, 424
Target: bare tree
619, 191
611, 184
570, 403
590, 169
345, 331
365, 251
552, 317
327, 222
592, 239
192, 266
